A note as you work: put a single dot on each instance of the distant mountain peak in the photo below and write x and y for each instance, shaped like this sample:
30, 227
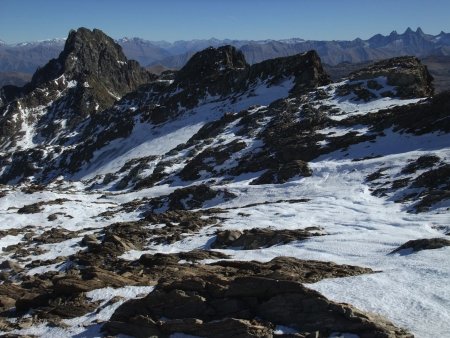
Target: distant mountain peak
419, 31
408, 31
132, 39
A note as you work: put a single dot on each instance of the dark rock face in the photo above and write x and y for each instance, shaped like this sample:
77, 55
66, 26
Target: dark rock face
292, 138
423, 244
410, 77
216, 69
306, 69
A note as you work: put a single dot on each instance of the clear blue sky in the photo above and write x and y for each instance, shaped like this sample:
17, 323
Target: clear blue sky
29, 20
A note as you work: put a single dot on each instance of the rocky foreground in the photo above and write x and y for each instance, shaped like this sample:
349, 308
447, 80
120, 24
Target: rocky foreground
223, 200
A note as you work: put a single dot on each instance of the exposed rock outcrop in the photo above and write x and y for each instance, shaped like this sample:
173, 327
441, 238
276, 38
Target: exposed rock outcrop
407, 74
243, 307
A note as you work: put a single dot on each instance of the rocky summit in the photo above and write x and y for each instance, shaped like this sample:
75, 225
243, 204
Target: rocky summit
90, 74
225, 199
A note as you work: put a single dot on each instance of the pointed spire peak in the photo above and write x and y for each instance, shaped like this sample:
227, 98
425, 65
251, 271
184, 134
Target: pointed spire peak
419, 31
86, 52
441, 33
408, 31
83, 38
393, 33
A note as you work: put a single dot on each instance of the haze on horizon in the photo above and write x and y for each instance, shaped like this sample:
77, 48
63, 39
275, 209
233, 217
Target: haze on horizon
171, 20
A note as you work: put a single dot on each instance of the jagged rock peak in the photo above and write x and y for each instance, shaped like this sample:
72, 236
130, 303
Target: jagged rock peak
90, 46
213, 60
92, 54
410, 77
306, 70
89, 76
227, 65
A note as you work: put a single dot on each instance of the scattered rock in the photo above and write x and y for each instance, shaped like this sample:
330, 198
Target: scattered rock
188, 198
10, 265
89, 240
6, 302
422, 244
55, 235
284, 172
260, 238
37, 207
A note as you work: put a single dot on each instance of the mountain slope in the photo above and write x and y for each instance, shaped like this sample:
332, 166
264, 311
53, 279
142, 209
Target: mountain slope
227, 83
215, 200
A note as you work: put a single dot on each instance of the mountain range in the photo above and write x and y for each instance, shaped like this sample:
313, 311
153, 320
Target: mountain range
224, 199
161, 55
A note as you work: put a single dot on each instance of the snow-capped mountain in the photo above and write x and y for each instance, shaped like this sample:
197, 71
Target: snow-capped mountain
224, 199
26, 57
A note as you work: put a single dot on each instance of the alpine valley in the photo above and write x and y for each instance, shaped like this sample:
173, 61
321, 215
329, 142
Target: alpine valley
225, 199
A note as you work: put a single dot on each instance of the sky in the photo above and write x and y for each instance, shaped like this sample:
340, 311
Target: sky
171, 20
